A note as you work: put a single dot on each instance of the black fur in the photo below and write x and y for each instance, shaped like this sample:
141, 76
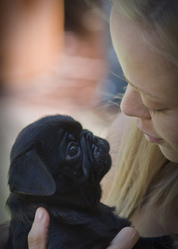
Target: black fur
58, 165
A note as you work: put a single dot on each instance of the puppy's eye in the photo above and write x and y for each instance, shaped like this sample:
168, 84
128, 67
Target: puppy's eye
72, 150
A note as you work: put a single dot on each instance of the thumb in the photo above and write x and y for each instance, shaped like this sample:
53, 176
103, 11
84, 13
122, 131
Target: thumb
37, 237
125, 239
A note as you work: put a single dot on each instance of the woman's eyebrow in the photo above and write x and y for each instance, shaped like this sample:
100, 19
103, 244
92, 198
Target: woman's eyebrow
140, 90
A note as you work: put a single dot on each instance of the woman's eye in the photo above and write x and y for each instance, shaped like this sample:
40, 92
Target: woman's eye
72, 150
154, 111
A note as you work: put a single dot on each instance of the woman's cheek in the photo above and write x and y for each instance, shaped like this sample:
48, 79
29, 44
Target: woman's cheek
166, 128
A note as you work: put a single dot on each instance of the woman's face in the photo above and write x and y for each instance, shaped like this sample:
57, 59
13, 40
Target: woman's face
152, 91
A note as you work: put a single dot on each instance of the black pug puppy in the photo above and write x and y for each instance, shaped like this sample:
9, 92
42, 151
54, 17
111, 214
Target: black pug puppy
58, 165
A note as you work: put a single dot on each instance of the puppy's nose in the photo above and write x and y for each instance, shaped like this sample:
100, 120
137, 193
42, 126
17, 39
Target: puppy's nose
90, 137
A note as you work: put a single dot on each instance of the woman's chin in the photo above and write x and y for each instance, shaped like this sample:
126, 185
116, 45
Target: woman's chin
169, 153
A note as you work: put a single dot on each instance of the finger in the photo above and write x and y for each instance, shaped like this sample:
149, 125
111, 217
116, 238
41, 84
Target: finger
125, 239
37, 237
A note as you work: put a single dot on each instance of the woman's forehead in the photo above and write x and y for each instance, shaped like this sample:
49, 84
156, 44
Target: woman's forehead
142, 65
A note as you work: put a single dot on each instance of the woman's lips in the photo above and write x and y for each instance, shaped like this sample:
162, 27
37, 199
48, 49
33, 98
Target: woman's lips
153, 139
150, 138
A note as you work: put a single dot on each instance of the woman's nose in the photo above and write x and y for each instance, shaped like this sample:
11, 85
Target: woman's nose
132, 105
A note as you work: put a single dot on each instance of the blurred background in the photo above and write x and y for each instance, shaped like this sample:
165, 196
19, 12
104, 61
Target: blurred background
55, 57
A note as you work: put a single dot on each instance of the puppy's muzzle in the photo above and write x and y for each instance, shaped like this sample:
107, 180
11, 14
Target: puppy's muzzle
98, 154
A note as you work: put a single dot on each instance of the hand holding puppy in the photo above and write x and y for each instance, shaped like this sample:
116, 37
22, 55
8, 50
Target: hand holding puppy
37, 238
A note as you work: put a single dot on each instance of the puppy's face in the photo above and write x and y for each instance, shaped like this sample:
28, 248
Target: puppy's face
55, 155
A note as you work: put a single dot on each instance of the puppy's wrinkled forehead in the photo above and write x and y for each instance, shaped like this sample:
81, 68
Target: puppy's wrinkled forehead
46, 127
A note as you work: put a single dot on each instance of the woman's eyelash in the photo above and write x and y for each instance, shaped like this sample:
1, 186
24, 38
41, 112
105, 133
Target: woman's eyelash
153, 110
158, 111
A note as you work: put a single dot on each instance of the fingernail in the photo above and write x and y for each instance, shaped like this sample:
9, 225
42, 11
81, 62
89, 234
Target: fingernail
39, 215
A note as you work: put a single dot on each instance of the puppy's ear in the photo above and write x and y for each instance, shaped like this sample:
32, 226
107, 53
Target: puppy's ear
29, 175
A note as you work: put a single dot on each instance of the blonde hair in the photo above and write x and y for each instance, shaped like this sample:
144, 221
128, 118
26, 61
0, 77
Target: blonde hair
143, 175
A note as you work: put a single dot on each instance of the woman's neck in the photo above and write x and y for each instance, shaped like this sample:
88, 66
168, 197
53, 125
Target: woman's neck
147, 221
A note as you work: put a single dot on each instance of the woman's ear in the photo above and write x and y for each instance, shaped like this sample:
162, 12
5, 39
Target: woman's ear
29, 175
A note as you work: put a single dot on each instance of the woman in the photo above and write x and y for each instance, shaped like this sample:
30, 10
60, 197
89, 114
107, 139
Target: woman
145, 188
145, 40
